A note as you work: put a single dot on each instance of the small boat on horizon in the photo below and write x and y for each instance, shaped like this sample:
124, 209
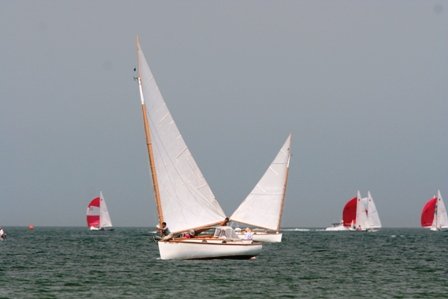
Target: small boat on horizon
97, 214
358, 214
2, 234
434, 215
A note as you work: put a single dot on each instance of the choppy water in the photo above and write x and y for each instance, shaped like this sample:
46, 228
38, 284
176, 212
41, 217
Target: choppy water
76, 263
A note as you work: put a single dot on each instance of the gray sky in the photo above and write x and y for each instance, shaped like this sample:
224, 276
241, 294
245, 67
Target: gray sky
361, 85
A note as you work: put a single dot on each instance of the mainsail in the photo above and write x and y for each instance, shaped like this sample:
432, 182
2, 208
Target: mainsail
362, 221
442, 217
372, 215
264, 204
185, 200
105, 221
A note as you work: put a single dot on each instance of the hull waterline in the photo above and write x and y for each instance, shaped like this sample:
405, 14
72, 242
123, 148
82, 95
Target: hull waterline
207, 249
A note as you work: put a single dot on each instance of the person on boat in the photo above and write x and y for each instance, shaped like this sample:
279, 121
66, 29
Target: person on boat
225, 222
162, 231
248, 234
189, 235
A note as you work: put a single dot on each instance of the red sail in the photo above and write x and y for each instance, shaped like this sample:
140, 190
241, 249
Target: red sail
349, 212
93, 213
428, 212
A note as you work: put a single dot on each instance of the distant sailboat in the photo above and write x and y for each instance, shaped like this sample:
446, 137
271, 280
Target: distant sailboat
2, 234
263, 207
183, 197
434, 215
359, 214
98, 217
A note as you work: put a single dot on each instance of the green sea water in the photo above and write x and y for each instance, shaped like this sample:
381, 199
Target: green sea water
76, 263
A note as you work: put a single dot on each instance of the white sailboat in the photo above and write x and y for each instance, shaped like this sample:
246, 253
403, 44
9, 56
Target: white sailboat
367, 218
263, 207
434, 215
2, 234
97, 214
183, 197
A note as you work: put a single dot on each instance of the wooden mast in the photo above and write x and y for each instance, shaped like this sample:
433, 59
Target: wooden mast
284, 187
149, 145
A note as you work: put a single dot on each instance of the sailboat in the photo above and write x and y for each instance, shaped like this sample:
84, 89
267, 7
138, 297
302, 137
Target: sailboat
97, 215
434, 215
2, 234
184, 200
367, 218
359, 214
263, 207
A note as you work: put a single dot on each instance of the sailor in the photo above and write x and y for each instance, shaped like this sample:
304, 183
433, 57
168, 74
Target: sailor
190, 234
162, 231
248, 234
225, 222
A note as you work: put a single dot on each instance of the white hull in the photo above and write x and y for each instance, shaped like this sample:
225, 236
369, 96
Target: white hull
338, 228
265, 237
100, 228
438, 229
210, 249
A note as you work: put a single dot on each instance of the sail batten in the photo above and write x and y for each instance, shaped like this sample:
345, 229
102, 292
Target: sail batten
264, 204
186, 199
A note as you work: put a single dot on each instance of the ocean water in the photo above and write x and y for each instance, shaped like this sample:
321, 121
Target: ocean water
76, 263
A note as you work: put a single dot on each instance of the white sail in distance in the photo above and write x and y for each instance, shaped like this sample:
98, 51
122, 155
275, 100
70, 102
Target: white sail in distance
105, 221
372, 214
186, 199
361, 213
263, 206
441, 219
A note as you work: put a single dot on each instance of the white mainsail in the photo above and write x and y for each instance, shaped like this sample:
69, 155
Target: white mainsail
264, 204
372, 214
186, 200
441, 219
361, 213
105, 221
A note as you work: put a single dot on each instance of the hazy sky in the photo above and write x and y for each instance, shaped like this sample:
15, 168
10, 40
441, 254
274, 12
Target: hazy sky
361, 85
